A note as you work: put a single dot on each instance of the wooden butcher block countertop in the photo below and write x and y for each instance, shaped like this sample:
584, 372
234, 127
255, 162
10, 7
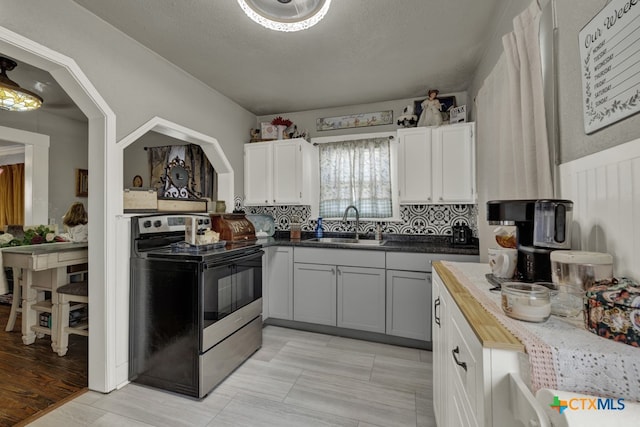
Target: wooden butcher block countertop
490, 332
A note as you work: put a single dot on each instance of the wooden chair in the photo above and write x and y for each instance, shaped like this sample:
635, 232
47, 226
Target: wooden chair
72, 296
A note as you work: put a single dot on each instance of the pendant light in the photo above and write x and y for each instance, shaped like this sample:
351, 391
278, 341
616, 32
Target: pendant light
285, 15
12, 96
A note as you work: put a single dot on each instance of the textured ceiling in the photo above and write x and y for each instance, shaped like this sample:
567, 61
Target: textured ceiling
362, 51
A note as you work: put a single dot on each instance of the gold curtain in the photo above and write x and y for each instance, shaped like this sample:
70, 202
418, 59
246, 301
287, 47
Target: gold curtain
12, 194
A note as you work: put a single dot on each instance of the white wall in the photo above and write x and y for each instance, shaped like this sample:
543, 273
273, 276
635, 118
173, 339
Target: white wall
68, 151
571, 16
135, 82
307, 119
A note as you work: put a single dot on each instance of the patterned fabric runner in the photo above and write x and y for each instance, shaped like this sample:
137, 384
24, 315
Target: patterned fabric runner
561, 350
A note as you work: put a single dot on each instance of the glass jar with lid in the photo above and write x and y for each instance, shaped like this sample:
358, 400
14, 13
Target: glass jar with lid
526, 301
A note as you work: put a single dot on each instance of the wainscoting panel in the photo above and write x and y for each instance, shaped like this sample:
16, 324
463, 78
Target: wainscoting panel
605, 189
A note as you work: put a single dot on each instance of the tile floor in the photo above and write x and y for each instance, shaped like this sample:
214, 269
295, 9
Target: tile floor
296, 379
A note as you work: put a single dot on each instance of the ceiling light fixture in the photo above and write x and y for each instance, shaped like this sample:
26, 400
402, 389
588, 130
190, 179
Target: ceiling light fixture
12, 96
285, 15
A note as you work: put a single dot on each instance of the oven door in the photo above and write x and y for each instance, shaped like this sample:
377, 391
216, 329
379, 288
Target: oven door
231, 296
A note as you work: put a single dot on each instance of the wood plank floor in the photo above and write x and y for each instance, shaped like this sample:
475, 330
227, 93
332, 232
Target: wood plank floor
296, 379
33, 377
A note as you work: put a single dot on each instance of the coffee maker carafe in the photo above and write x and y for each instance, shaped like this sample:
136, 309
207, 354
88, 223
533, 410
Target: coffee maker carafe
542, 226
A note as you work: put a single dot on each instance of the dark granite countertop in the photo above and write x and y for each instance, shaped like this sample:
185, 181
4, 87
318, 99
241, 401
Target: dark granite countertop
393, 243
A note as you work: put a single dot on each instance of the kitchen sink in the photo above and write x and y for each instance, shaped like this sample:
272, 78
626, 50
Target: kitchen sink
348, 241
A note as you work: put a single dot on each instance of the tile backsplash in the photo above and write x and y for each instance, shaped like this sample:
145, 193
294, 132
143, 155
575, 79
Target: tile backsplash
415, 219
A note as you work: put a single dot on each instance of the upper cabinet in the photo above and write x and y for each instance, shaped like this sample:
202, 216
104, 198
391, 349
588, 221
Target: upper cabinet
437, 164
280, 173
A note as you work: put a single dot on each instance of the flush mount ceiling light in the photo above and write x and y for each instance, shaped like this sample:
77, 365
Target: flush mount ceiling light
12, 96
285, 15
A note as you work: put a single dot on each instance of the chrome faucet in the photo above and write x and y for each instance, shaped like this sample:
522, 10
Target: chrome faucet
344, 217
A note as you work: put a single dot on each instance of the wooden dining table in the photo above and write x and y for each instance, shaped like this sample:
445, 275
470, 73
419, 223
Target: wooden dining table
38, 269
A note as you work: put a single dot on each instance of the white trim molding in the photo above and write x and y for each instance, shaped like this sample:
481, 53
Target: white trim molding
102, 205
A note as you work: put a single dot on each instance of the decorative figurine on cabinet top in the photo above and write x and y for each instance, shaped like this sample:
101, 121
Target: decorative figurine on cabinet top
431, 106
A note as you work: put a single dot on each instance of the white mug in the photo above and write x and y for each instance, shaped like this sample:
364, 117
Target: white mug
503, 262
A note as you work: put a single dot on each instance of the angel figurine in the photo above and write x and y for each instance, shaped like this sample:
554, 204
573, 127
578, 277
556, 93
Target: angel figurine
430, 115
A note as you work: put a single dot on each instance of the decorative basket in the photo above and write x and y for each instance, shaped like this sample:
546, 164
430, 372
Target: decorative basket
613, 310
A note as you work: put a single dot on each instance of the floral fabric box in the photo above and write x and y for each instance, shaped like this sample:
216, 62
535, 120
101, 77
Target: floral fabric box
269, 131
613, 310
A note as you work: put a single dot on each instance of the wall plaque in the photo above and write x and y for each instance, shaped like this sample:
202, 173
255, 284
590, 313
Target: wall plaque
609, 53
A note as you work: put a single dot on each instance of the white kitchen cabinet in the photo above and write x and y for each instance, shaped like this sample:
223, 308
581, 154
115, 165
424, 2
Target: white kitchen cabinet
439, 349
408, 304
414, 165
280, 172
278, 298
361, 298
437, 164
454, 164
472, 383
314, 294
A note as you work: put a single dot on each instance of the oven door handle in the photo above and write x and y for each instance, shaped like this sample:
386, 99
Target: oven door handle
232, 261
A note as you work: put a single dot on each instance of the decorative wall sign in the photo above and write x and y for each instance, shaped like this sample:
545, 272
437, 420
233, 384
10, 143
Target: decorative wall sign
355, 120
610, 66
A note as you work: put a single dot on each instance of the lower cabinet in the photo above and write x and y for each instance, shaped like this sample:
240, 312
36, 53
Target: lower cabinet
361, 298
278, 298
343, 296
314, 293
408, 304
458, 394
472, 379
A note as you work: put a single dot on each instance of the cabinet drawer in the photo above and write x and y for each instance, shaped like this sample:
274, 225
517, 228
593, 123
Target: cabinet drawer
408, 261
348, 257
465, 361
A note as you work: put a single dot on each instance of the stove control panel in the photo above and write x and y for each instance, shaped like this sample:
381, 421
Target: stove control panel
169, 223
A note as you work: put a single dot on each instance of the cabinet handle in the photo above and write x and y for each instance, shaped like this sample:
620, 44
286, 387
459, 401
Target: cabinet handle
440, 199
455, 352
436, 317
266, 201
428, 199
339, 272
333, 271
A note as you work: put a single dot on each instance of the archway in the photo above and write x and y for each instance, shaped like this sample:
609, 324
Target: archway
102, 205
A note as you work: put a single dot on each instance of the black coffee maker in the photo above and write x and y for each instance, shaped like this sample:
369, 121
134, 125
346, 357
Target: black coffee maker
542, 226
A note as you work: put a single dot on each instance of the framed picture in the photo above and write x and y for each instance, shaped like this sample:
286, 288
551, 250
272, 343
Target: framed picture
82, 183
355, 120
446, 104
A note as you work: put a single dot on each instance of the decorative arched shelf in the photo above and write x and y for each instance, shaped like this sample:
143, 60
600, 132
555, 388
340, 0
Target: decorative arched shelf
209, 145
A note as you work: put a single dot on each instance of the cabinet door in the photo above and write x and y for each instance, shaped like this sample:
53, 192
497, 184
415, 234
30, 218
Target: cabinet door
414, 169
287, 172
258, 173
314, 293
409, 304
454, 164
280, 282
439, 348
361, 298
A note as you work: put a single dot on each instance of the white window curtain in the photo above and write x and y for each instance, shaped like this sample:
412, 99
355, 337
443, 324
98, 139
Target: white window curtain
513, 151
356, 173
